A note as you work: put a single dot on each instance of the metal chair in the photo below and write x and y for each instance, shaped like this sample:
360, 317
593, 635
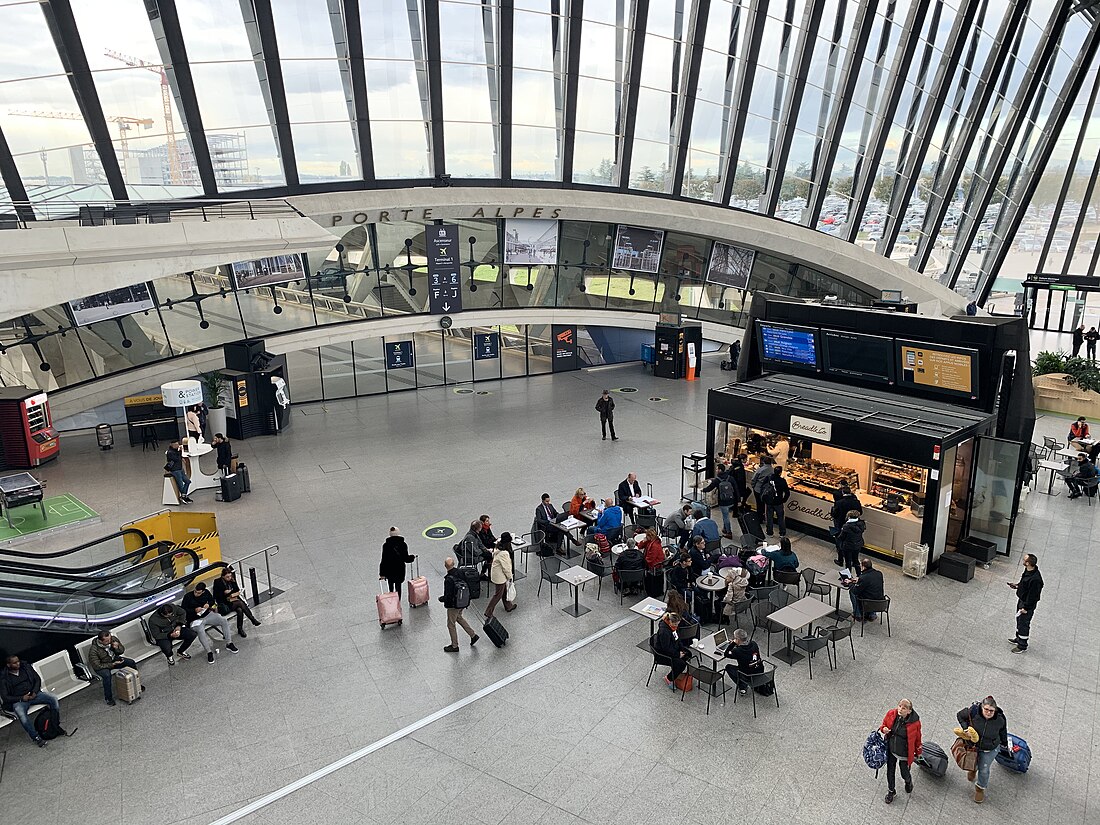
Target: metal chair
534, 541
659, 659
760, 621
780, 598
837, 632
549, 567
739, 609
810, 585
627, 577
763, 593
756, 680
879, 606
748, 541
1051, 445
1088, 488
645, 520
602, 568
709, 676
812, 644
785, 577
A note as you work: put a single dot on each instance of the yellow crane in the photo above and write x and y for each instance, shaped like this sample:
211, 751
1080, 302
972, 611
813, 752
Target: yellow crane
174, 168
125, 124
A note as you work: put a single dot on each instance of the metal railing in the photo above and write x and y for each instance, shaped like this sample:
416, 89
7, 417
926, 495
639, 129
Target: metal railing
26, 215
268, 552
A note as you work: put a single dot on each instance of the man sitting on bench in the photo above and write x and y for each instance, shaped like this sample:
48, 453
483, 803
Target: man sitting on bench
167, 624
21, 689
199, 606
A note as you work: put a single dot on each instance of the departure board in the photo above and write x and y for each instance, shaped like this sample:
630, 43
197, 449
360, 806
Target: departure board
788, 346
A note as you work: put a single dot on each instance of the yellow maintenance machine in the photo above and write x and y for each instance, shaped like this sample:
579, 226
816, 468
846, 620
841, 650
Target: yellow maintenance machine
183, 529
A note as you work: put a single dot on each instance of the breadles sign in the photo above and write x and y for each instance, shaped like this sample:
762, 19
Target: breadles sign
431, 213
810, 428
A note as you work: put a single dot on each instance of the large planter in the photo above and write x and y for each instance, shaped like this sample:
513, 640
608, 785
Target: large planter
1052, 393
215, 421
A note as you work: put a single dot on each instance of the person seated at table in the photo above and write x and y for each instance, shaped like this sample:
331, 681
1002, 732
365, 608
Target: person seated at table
747, 661
485, 533
707, 528
737, 585
681, 522
629, 488
610, 522
1077, 480
666, 642
679, 575
700, 561
579, 504
546, 520
473, 552
868, 585
783, 557
652, 549
630, 559
1079, 433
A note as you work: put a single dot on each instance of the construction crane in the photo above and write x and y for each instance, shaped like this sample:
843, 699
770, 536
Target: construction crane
124, 123
174, 168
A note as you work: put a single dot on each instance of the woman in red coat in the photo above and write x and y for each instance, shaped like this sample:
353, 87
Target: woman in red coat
901, 729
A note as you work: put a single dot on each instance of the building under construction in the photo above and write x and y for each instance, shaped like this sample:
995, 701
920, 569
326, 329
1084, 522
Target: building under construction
228, 153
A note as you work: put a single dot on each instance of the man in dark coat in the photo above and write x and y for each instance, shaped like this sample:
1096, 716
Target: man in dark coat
606, 407
395, 555
868, 585
1027, 597
844, 501
1078, 340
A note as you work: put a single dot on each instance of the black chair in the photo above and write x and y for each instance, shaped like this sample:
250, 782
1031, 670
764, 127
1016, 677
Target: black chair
687, 631
811, 586
739, 609
760, 621
602, 568
748, 541
712, 546
535, 540
629, 577
763, 593
756, 680
1051, 445
645, 519
785, 577
709, 676
879, 606
837, 632
780, 598
659, 659
1088, 488
812, 644
121, 215
549, 567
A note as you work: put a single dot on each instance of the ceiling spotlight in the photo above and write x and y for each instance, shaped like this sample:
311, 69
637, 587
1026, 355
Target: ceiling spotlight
44, 366
204, 324
127, 343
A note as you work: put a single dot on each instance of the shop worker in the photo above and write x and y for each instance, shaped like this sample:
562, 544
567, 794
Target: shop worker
1027, 597
781, 451
606, 408
1081, 478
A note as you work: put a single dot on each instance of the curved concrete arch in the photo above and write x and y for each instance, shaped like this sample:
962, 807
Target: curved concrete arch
73, 400
338, 211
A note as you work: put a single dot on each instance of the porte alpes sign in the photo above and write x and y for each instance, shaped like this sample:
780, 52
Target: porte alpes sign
444, 283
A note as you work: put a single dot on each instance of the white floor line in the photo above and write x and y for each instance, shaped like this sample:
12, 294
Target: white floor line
355, 756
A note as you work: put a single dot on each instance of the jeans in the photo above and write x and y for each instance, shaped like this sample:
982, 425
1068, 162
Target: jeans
186, 634
725, 508
20, 710
985, 759
182, 481
211, 619
856, 611
776, 511
891, 762
105, 677
455, 617
1023, 629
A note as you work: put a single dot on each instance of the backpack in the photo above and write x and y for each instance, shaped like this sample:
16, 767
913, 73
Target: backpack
47, 724
462, 593
768, 493
727, 493
874, 751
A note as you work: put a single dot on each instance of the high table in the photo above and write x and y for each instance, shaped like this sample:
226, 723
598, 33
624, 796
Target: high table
21, 489
192, 451
653, 609
794, 616
575, 577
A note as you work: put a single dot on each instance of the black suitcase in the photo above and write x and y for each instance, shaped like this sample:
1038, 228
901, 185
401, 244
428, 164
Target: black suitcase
750, 524
473, 580
496, 632
246, 483
933, 759
231, 487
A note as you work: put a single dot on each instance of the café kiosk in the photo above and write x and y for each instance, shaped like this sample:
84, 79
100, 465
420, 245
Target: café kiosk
913, 424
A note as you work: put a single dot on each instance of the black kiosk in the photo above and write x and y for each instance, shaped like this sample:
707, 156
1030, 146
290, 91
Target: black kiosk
927, 419
260, 390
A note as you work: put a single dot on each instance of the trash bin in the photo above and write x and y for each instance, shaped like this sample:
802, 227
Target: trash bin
104, 436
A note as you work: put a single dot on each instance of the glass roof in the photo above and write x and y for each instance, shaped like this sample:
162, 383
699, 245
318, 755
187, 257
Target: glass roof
920, 129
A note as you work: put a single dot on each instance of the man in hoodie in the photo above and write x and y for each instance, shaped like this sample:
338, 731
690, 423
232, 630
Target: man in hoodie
167, 624
395, 555
868, 585
21, 689
1027, 597
849, 540
105, 655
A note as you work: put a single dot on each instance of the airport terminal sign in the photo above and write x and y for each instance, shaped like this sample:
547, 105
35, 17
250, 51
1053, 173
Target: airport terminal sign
431, 213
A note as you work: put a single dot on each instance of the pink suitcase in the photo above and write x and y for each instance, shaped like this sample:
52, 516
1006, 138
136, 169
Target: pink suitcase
389, 607
418, 588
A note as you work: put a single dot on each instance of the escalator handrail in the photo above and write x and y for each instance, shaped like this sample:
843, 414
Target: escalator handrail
140, 595
4, 551
31, 569
67, 575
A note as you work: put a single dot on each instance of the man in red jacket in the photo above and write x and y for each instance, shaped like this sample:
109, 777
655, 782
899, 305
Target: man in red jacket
901, 728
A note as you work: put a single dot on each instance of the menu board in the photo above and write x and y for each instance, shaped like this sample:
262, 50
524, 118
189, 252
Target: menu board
788, 346
943, 369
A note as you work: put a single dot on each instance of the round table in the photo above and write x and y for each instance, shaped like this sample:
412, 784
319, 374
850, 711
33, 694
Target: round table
711, 585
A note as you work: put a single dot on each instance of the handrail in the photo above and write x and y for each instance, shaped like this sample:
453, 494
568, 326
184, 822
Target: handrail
122, 532
26, 214
269, 551
140, 595
74, 573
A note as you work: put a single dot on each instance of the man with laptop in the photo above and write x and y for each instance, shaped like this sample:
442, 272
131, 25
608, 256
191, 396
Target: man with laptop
746, 654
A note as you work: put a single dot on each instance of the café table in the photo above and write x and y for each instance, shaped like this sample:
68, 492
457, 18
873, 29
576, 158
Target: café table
711, 585
794, 616
705, 649
652, 609
575, 577
518, 545
1054, 467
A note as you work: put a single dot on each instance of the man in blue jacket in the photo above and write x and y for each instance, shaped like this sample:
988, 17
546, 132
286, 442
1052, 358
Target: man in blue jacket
610, 522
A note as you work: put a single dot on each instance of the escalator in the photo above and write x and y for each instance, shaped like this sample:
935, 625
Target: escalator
90, 546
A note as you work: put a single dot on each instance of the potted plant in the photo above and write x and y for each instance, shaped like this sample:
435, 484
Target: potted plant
214, 387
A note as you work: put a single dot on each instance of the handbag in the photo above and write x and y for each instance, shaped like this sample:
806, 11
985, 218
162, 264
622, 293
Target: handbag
685, 682
510, 592
965, 754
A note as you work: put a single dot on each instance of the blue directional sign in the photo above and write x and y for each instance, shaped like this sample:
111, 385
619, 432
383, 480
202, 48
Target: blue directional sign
444, 281
486, 346
399, 355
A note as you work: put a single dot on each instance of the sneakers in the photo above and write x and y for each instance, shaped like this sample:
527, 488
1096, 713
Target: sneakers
890, 796
614, 438
241, 633
670, 684
172, 660
908, 787
183, 655
232, 648
186, 500
1014, 642
110, 702
1018, 649
473, 641
210, 658
450, 649
38, 740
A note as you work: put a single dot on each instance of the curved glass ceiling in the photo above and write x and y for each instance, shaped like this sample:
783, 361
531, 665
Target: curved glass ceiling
921, 130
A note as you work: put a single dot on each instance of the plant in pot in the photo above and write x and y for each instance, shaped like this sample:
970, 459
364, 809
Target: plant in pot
214, 387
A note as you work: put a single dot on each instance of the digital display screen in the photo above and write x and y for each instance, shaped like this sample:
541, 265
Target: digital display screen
952, 370
103, 306
788, 346
870, 357
268, 271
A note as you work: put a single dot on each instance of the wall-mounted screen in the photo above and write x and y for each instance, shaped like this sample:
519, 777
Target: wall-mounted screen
268, 271
114, 304
730, 265
783, 345
637, 249
938, 368
892, 296
870, 357
530, 241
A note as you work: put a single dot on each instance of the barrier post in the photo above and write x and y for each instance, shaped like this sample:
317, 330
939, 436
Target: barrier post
255, 587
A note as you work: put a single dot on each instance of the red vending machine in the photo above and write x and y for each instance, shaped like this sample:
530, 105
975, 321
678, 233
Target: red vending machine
27, 436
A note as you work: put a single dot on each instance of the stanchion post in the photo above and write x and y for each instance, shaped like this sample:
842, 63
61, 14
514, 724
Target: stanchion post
255, 587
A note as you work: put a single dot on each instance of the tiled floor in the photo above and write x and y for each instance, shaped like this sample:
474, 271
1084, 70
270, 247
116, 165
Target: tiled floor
581, 739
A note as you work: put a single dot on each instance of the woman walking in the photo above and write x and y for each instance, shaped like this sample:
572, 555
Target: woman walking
395, 555
901, 729
984, 724
500, 574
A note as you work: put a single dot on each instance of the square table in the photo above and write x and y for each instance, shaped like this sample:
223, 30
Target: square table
794, 616
1054, 467
518, 543
704, 647
652, 609
644, 501
575, 577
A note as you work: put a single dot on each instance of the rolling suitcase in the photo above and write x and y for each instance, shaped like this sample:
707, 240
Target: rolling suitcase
750, 524
389, 607
246, 482
418, 588
1020, 760
473, 580
496, 632
231, 487
933, 759
126, 684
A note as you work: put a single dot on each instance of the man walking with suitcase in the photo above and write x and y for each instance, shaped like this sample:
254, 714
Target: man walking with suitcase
1027, 597
456, 598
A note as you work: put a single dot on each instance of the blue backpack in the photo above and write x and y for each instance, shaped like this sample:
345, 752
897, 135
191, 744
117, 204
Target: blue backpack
874, 751
1020, 760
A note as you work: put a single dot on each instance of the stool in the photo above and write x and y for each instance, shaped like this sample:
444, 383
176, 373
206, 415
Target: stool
171, 494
